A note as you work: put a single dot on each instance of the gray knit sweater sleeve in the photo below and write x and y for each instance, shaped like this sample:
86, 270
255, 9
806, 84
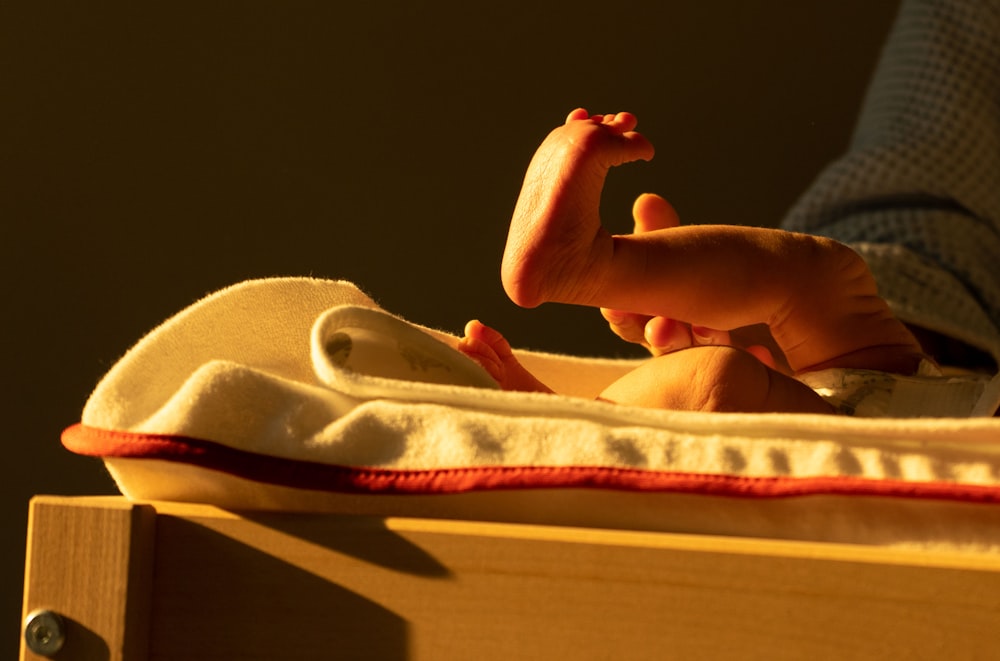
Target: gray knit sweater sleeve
918, 193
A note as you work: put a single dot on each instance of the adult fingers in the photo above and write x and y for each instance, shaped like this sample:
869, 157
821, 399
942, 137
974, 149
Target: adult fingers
652, 212
664, 335
627, 325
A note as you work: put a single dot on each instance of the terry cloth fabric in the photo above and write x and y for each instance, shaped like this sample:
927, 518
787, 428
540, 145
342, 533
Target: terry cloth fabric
303, 394
918, 193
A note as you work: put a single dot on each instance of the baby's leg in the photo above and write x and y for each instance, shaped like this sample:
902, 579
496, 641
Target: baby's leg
817, 296
556, 246
721, 379
491, 350
718, 379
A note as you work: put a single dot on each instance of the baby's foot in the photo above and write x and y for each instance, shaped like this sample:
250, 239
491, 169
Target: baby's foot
556, 246
491, 350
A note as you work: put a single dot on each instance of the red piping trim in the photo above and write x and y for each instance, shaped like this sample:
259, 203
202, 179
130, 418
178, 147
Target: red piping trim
92, 441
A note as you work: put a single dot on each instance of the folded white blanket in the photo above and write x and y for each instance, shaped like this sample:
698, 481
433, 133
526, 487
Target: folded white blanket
303, 394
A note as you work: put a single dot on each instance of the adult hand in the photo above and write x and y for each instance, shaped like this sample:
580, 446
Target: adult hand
662, 335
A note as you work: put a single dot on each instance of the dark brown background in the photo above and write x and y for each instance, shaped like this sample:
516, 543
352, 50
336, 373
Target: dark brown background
152, 154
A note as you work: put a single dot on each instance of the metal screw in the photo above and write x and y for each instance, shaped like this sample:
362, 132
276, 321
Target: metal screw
44, 632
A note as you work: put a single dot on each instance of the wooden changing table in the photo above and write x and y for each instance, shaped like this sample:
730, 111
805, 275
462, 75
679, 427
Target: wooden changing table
188, 582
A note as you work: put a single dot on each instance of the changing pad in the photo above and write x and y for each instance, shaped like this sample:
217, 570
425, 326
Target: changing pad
303, 394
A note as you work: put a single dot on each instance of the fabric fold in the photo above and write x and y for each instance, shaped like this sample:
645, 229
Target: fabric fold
303, 394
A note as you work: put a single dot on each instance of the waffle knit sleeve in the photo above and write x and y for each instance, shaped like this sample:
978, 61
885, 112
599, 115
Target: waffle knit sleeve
918, 192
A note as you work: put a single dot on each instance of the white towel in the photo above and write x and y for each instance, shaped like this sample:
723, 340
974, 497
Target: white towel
303, 394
